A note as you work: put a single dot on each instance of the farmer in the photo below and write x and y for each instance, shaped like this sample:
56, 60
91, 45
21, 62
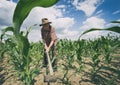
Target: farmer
49, 39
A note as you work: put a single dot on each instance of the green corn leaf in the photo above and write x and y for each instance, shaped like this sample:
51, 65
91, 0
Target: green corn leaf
34, 72
2, 53
115, 22
113, 29
23, 9
90, 30
24, 44
5, 30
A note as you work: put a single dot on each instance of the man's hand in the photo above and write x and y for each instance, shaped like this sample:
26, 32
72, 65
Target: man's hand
47, 49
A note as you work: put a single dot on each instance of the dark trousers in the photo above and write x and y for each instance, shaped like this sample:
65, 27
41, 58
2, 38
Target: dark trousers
54, 63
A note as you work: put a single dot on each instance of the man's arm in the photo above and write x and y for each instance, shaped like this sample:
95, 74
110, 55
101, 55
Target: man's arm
48, 48
53, 38
44, 43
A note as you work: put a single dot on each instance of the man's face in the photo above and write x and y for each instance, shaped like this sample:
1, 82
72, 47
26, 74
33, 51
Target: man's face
45, 25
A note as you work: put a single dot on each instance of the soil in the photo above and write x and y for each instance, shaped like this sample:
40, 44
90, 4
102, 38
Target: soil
107, 75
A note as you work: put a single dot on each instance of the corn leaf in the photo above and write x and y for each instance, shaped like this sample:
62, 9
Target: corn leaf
26, 45
23, 9
115, 22
5, 30
113, 29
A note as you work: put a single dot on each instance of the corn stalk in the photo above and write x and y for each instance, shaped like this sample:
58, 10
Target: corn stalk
19, 43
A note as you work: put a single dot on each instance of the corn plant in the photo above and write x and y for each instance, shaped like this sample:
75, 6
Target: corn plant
21, 59
65, 51
68, 65
115, 29
108, 48
36, 53
96, 61
19, 43
2, 50
81, 47
72, 52
94, 55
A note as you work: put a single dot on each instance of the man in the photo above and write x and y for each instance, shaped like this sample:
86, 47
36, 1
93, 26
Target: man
49, 40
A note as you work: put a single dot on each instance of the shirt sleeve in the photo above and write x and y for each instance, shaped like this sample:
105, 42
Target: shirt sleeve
53, 35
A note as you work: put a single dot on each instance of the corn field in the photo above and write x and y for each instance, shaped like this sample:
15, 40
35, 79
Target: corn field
83, 58
80, 62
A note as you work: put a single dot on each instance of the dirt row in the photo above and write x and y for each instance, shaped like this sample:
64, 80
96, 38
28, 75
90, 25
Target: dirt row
108, 75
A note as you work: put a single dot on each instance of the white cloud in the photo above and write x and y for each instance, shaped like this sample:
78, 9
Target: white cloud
71, 34
113, 24
63, 23
87, 6
116, 12
99, 12
92, 22
6, 12
34, 35
91, 35
62, 26
60, 6
54, 14
38, 13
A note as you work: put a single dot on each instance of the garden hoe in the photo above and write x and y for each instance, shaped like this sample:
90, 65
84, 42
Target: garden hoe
51, 77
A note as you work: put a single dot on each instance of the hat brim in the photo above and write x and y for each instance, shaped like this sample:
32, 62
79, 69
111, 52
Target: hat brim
45, 23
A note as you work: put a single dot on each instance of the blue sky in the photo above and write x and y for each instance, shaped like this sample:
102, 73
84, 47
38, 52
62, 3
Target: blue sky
69, 17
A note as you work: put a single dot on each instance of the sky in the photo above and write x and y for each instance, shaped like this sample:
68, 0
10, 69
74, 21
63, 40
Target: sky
70, 18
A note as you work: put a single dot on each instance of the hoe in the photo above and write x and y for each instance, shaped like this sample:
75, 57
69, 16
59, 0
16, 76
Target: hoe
49, 78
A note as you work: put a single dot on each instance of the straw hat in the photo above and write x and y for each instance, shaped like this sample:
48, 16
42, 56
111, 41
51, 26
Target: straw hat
45, 21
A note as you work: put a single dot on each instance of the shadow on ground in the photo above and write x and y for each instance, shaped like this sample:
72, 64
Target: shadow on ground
107, 75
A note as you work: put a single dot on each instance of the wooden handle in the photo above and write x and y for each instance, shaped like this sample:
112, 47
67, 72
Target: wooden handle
49, 64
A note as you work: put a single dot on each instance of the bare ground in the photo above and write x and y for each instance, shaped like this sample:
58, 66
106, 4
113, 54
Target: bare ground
107, 75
